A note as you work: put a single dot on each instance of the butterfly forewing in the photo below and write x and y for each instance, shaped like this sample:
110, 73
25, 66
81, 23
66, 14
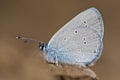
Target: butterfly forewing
88, 18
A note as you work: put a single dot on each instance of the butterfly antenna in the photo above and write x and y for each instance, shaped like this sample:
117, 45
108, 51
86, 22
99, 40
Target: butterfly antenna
28, 39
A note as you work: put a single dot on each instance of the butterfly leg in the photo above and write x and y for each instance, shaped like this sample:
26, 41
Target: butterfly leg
56, 60
81, 65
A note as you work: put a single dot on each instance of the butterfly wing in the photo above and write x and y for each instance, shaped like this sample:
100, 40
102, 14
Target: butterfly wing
80, 40
88, 18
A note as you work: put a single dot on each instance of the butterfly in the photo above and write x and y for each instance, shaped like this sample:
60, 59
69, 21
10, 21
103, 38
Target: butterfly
79, 42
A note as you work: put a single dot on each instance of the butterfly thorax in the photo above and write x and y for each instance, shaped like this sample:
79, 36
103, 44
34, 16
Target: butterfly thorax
50, 54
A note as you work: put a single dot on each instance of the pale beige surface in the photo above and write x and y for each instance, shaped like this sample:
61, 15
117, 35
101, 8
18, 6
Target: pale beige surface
40, 19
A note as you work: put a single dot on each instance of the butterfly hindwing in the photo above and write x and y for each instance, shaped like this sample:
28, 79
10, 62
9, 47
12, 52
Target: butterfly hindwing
81, 45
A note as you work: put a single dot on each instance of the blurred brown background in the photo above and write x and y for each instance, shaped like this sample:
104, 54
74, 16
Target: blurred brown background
40, 19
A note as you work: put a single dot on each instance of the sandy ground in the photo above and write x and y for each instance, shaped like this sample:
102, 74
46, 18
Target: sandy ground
40, 19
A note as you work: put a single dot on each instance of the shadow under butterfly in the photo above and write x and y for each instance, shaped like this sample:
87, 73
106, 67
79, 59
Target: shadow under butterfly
79, 42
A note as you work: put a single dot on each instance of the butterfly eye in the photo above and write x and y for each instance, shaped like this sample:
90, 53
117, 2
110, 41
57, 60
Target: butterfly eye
41, 46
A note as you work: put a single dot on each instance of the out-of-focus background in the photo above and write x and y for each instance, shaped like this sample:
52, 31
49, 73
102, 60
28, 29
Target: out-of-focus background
40, 19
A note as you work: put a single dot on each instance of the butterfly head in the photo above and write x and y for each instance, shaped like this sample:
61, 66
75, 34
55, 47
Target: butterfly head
42, 46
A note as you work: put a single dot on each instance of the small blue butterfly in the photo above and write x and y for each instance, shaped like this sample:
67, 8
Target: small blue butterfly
79, 42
